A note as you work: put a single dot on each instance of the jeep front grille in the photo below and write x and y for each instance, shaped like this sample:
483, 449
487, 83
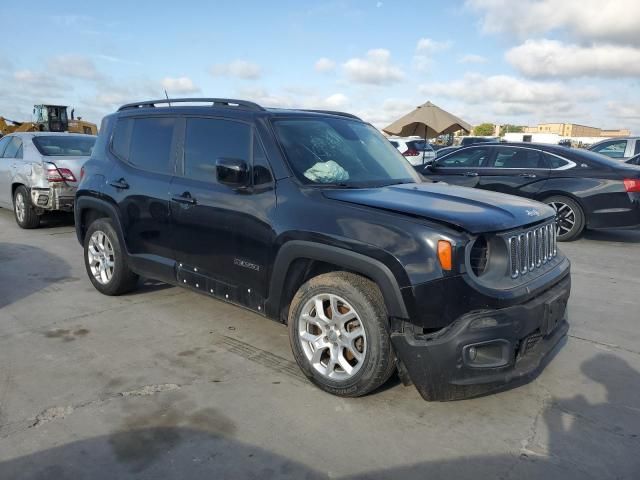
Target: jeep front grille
531, 249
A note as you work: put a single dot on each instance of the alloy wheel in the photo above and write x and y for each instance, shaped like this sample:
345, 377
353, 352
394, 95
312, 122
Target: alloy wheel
101, 257
20, 207
332, 336
565, 218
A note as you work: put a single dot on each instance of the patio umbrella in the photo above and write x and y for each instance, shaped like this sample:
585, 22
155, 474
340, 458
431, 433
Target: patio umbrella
427, 121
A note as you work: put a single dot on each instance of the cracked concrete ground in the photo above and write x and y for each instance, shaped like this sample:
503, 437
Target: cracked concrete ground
165, 383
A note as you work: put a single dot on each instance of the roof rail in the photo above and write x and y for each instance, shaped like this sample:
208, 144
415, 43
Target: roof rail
332, 112
215, 102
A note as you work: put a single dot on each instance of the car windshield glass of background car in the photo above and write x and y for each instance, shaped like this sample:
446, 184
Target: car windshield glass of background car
63, 146
339, 151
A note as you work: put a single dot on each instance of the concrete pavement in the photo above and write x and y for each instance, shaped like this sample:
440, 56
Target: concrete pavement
166, 383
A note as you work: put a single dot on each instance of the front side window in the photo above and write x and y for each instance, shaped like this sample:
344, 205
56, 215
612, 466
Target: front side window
518, 158
342, 152
613, 149
206, 140
637, 149
466, 158
64, 146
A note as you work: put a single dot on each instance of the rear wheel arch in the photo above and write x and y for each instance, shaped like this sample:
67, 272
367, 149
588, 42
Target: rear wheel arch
298, 261
89, 209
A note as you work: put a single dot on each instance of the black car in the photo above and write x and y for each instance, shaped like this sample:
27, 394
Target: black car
587, 190
634, 160
314, 220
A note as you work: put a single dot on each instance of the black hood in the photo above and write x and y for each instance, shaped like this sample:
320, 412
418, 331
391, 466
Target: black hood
473, 210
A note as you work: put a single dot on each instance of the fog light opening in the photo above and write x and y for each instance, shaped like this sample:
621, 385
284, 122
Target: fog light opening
43, 199
495, 353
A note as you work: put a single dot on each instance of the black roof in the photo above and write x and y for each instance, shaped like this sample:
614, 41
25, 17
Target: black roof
227, 103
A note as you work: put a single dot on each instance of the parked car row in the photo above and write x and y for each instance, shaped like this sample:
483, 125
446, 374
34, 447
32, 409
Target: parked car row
586, 189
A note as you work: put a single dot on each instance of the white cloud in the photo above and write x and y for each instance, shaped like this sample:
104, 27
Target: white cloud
76, 66
324, 65
429, 46
375, 69
179, 85
36, 79
475, 88
382, 114
425, 50
337, 100
238, 69
613, 21
551, 58
472, 58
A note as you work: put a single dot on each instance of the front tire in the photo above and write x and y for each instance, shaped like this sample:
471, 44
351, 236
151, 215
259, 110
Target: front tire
339, 336
24, 212
105, 260
570, 221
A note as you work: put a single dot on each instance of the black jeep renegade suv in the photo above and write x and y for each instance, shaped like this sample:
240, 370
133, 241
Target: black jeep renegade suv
313, 219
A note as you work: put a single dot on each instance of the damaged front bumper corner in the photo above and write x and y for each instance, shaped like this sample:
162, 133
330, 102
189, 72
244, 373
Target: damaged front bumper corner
485, 351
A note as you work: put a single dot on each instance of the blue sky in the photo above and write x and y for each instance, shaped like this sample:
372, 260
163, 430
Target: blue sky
486, 60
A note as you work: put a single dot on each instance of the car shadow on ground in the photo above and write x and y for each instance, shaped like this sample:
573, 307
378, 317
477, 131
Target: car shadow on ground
57, 219
569, 438
621, 236
25, 269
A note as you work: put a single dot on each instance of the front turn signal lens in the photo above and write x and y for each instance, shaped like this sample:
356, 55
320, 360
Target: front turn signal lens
444, 254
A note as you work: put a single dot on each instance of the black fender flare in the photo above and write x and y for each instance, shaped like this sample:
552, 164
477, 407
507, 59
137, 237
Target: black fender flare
356, 262
93, 203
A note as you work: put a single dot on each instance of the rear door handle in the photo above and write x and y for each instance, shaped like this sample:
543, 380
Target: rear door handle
185, 198
470, 174
528, 175
121, 184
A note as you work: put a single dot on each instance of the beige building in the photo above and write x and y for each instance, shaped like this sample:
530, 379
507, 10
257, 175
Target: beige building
576, 130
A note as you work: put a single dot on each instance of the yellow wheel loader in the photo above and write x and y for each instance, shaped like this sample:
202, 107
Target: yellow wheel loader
49, 118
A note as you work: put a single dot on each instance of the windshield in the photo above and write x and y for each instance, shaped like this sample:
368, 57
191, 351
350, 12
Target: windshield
63, 146
341, 152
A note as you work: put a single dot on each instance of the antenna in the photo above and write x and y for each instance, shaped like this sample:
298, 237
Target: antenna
166, 95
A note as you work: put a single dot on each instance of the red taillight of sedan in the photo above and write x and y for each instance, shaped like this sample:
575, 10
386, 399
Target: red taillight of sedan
632, 184
60, 175
411, 153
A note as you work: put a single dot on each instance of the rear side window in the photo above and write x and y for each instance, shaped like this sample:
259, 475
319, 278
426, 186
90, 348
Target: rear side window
3, 144
13, 148
145, 142
395, 144
637, 150
518, 158
208, 139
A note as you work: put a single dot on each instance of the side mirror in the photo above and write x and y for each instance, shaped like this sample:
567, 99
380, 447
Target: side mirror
429, 165
233, 172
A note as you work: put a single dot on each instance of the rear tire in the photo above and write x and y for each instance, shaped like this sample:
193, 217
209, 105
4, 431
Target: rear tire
346, 349
23, 210
105, 260
570, 220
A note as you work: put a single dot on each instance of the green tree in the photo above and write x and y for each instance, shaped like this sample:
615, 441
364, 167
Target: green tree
484, 130
511, 129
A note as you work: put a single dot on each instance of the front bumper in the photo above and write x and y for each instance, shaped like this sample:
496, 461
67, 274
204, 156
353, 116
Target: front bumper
525, 335
55, 197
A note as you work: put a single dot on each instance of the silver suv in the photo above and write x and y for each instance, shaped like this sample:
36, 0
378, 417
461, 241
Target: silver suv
40, 171
618, 148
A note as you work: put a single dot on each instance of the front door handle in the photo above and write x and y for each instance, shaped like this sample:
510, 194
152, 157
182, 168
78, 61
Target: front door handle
528, 175
470, 174
185, 198
121, 184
